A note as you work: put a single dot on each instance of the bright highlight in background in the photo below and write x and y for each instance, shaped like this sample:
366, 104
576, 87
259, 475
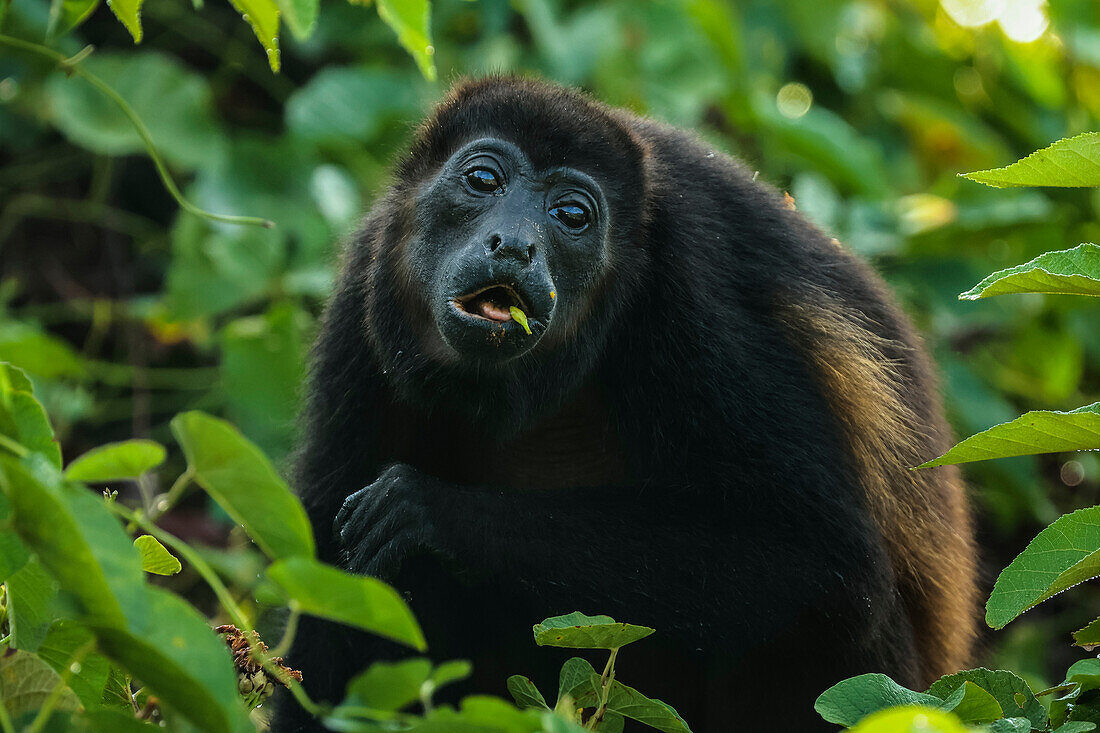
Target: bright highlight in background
794, 100
1021, 20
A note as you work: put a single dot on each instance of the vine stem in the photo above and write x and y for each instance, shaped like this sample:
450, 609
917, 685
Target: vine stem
606, 679
236, 615
71, 65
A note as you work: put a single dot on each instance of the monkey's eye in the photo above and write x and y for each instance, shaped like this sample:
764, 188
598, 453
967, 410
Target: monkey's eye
483, 180
571, 215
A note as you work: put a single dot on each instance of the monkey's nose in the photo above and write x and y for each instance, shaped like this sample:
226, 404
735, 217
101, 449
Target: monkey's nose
514, 248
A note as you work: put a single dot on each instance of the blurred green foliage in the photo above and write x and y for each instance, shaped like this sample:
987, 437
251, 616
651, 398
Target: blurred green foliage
125, 310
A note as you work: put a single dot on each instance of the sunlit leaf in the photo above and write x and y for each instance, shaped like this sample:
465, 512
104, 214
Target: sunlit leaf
972, 704
328, 592
1067, 272
1061, 556
1072, 161
114, 461
411, 21
129, 12
155, 557
263, 16
911, 718
1040, 431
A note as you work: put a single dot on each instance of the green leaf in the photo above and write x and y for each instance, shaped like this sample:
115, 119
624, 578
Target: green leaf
480, 714
90, 678
350, 105
66, 15
13, 555
911, 719
576, 679
1075, 727
849, 701
263, 16
1010, 725
1061, 556
263, 366
25, 683
174, 103
630, 703
38, 353
578, 631
22, 417
129, 12
524, 692
113, 721
972, 704
328, 592
241, 479
115, 461
170, 647
411, 21
1040, 431
1083, 678
1073, 161
76, 538
1089, 636
520, 317
1066, 272
300, 16
155, 557
32, 599
1010, 692
389, 686
450, 672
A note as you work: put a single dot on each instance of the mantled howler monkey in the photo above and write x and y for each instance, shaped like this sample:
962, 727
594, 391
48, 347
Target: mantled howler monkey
708, 429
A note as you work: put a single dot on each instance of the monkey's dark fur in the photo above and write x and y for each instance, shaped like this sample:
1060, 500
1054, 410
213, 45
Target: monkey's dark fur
708, 432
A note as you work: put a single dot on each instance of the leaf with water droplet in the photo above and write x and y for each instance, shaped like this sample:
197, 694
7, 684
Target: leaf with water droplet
520, 317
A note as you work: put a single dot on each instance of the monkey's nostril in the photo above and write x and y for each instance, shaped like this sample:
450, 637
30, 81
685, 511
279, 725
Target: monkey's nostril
494, 242
530, 252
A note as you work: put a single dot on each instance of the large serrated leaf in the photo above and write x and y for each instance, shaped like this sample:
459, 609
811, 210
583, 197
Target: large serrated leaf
1010, 692
1061, 556
129, 12
850, 701
411, 21
578, 631
25, 683
263, 16
357, 600
1073, 161
1040, 431
241, 479
1066, 272
114, 461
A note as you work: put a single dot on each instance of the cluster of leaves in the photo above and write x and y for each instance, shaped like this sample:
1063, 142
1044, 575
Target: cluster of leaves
96, 647
1063, 555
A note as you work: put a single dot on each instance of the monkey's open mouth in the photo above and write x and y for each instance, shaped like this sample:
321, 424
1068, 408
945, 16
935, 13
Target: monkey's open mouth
491, 303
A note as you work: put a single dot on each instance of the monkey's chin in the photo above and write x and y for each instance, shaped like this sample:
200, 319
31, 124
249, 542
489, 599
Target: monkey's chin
484, 334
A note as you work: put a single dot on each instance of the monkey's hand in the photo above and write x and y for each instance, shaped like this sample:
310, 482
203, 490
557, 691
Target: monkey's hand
391, 520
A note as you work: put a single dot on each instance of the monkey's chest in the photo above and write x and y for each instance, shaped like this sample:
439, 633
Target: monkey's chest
574, 448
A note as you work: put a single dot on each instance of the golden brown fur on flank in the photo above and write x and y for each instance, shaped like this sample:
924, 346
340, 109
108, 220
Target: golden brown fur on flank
922, 515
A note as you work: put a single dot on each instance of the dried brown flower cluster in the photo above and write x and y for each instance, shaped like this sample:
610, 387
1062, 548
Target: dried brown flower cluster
254, 684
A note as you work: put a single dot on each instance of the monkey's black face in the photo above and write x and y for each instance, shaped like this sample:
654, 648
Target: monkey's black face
493, 234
